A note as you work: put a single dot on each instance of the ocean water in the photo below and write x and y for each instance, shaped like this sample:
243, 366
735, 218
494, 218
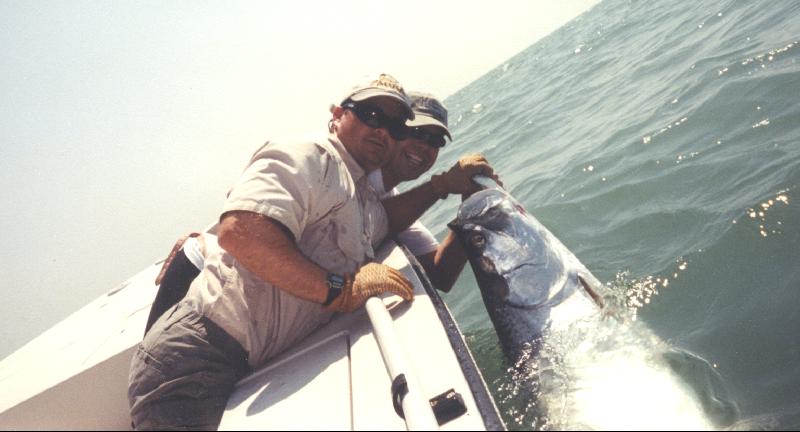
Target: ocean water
660, 141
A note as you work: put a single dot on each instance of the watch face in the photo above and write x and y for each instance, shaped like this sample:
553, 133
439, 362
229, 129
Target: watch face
336, 281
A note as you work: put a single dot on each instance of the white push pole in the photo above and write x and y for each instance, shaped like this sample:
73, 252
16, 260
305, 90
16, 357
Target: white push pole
416, 408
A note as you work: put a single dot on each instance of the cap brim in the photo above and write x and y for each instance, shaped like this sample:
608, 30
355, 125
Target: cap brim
423, 120
374, 92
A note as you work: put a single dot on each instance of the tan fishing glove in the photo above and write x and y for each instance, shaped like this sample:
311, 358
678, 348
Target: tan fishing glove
371, 280
458, 180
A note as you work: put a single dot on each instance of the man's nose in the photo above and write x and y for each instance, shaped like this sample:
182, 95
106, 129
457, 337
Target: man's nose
384, 134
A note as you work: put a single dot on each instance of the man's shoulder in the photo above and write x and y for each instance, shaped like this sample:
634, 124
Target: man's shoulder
303, 146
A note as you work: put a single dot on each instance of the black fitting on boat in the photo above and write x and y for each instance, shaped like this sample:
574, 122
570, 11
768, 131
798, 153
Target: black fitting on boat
399, 391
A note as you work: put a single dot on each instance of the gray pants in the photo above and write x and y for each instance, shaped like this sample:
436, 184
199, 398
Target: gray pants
183, 373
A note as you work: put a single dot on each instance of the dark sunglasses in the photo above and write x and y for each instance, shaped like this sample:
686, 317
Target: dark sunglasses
375, 118
433, 139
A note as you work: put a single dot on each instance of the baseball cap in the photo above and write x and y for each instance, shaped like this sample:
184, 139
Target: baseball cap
386, 86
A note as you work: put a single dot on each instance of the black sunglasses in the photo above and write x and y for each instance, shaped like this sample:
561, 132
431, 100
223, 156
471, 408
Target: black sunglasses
375, 118
433, 139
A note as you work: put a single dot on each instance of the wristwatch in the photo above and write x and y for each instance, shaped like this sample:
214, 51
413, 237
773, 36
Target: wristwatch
335, 286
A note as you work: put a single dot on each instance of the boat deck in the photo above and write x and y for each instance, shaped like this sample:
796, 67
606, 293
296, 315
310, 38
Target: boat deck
74, 376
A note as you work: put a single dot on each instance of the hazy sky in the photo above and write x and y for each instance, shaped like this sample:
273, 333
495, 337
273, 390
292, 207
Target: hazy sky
122, 124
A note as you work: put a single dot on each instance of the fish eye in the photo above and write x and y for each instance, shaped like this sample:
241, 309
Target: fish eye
478, 240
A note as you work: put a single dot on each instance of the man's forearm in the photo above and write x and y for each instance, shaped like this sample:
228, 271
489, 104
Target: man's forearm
446, 263
267, 249
404, 209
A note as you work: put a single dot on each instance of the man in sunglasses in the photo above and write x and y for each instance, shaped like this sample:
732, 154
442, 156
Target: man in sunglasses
295, 243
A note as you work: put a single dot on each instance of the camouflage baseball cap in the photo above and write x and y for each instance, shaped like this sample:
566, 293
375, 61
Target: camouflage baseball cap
429, 112
387, 86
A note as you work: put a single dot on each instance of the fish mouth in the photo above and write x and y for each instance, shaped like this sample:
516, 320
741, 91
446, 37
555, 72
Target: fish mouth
516, 304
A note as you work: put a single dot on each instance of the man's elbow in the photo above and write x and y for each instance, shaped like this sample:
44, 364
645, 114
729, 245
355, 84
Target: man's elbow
227, 236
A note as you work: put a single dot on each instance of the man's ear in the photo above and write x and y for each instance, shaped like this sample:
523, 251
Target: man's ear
337, 112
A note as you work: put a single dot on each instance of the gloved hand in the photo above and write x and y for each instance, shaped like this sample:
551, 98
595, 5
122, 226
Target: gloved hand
371, 280
458, 180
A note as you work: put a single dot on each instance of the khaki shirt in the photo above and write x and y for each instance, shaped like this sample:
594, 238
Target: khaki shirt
317, 191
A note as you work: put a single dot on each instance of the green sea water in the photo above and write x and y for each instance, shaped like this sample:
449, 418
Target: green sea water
660, 141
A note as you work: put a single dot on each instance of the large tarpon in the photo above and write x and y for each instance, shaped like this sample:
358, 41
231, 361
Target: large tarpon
529, 280
601, 373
